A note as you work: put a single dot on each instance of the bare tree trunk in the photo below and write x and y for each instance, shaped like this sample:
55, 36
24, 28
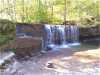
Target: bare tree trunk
14, 10
23, 16
65, 11
52, 8
3, 7
46, 8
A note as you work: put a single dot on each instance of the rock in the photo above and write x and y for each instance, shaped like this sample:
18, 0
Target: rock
26, 46
34, 30
50, 65
89, 32
28, 39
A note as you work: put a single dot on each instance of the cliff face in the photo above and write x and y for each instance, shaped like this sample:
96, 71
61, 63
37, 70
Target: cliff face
26, 46
31, 45
34, 30
89, 32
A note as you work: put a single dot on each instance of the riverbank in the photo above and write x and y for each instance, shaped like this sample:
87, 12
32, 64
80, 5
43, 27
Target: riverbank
65, 61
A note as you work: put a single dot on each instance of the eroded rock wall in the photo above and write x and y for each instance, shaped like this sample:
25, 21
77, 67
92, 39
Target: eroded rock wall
32, 45
89, 32
27, 46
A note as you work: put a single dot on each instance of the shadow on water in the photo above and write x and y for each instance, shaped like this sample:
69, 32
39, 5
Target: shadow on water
88, 45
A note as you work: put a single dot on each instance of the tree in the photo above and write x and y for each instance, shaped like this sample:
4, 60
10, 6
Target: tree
40, 12
51, 11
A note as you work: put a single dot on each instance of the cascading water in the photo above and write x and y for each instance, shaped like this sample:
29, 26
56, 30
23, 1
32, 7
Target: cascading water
74, 35
47, 36
60, 35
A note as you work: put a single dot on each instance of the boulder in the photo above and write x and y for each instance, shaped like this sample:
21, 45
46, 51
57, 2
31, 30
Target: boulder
32, 43
26, 46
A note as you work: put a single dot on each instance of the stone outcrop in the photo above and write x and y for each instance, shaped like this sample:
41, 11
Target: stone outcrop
89, 32
34, 30
26, 46
31, 45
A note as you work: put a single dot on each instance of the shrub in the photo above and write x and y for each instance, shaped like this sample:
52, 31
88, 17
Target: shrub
6, 26
4, 39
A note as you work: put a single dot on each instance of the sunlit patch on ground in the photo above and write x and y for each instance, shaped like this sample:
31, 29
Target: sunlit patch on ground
59, 65
63, 62
81, 61
87, 56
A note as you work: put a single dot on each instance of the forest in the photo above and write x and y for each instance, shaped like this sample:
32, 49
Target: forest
49, 37
84, 12
49, 11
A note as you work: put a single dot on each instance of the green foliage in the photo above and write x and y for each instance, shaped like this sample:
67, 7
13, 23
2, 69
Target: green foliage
40, 13
4, 39
7, 31
51, 11
14, 50
90, 21
6, 26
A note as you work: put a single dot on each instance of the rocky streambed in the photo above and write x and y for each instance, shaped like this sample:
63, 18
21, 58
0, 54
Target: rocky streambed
63, 62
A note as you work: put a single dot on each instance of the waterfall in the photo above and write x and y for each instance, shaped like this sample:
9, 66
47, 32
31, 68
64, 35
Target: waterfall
47, 36
60, 35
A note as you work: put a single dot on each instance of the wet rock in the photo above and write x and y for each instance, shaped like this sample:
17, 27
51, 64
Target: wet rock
34, 30
50, 65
